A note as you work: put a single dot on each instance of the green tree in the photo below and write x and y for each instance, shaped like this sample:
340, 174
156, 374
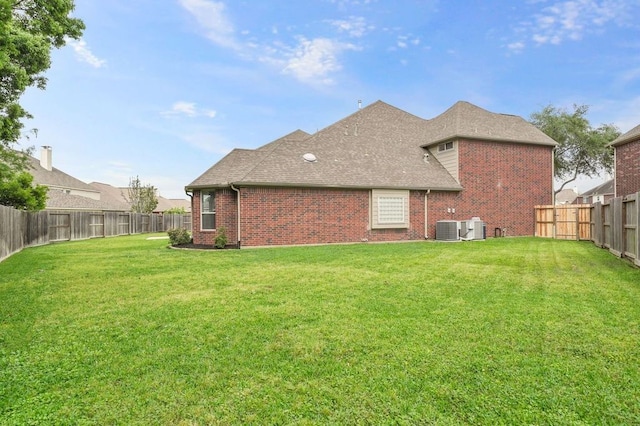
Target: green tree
175, 210
18, 191
29, 30
142, 198
582, 150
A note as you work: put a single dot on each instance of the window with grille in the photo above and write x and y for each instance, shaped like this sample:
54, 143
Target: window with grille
390, 209
208, 210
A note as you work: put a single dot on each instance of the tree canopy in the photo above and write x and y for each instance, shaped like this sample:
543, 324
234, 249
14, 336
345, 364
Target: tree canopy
582, 150
143, 198
29, 30
20, 192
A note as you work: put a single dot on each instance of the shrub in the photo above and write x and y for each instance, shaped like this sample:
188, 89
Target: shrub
221, 238
175, 210
179, 236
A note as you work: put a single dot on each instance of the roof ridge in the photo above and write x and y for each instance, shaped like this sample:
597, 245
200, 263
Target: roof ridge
276, 144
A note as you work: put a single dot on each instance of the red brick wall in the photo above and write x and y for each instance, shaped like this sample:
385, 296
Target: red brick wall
628, 169
280, 216
502, 183
226, 208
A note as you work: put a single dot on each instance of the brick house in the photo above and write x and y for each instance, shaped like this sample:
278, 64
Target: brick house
380, 174
627, 162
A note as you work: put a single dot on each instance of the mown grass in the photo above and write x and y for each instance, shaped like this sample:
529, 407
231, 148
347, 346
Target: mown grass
505, 331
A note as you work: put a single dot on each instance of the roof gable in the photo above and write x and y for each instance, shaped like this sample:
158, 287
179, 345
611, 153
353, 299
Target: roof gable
465, 120
377, 146
602, 189
55, 178
627, 137
236, 164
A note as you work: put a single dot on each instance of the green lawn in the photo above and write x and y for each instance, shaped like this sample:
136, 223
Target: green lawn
504, 331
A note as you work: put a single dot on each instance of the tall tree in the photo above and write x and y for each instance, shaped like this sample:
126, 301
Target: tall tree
20, 192
582, 150
142, 198
29, 30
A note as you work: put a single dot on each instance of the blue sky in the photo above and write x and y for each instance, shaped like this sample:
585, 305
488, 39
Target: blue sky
163, 89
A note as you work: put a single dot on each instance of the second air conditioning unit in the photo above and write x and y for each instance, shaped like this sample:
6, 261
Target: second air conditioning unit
472, 229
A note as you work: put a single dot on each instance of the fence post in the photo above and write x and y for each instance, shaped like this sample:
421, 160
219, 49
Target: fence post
636, 213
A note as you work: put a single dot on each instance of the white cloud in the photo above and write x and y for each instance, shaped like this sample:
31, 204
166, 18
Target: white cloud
212, 18
516, 47
312, 60
404, 41
84, 54
571, 20
355, 26
189, 109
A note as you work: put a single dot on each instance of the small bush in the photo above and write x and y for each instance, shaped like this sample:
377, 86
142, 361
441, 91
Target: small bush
179, 236
175, 210
221, 238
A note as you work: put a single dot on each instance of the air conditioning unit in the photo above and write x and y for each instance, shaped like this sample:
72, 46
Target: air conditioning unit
447, 230
472, 229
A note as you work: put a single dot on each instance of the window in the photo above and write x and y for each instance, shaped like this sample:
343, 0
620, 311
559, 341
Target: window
389, 209
208, 210
445, 146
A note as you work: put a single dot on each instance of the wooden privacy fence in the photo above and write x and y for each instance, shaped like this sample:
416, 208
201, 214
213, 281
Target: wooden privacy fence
614, 225
564, 222
19, 229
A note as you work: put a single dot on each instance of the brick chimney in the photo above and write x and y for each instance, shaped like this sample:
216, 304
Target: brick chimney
45, 158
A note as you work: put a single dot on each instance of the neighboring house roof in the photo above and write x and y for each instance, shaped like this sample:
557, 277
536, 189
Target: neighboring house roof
60, 200
379, 146
566, 196
606, 188
113, 196
627, 137
465, 120
117, 198
165, 204
55, 178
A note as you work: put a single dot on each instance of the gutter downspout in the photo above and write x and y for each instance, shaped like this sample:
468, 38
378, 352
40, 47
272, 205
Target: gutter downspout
426, 215
238, 214
190, 195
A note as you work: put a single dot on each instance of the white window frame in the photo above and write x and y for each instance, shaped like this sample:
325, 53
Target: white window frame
203, 212
389, 209
446, 146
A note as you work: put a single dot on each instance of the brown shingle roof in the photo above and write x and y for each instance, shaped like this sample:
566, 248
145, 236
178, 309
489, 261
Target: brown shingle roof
602, 189
465, 120
627, 137
60, 200
55, 178
379, 146
235, 165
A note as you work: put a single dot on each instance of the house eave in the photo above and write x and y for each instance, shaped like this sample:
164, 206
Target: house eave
244, 184
486, 139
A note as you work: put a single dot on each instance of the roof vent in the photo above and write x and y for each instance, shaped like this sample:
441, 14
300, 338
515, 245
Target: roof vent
309, 158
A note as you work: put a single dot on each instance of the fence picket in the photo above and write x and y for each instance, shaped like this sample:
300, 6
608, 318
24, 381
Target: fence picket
614, 225
20, 229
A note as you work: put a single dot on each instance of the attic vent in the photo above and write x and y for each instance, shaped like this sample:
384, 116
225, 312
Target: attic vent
309, 158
